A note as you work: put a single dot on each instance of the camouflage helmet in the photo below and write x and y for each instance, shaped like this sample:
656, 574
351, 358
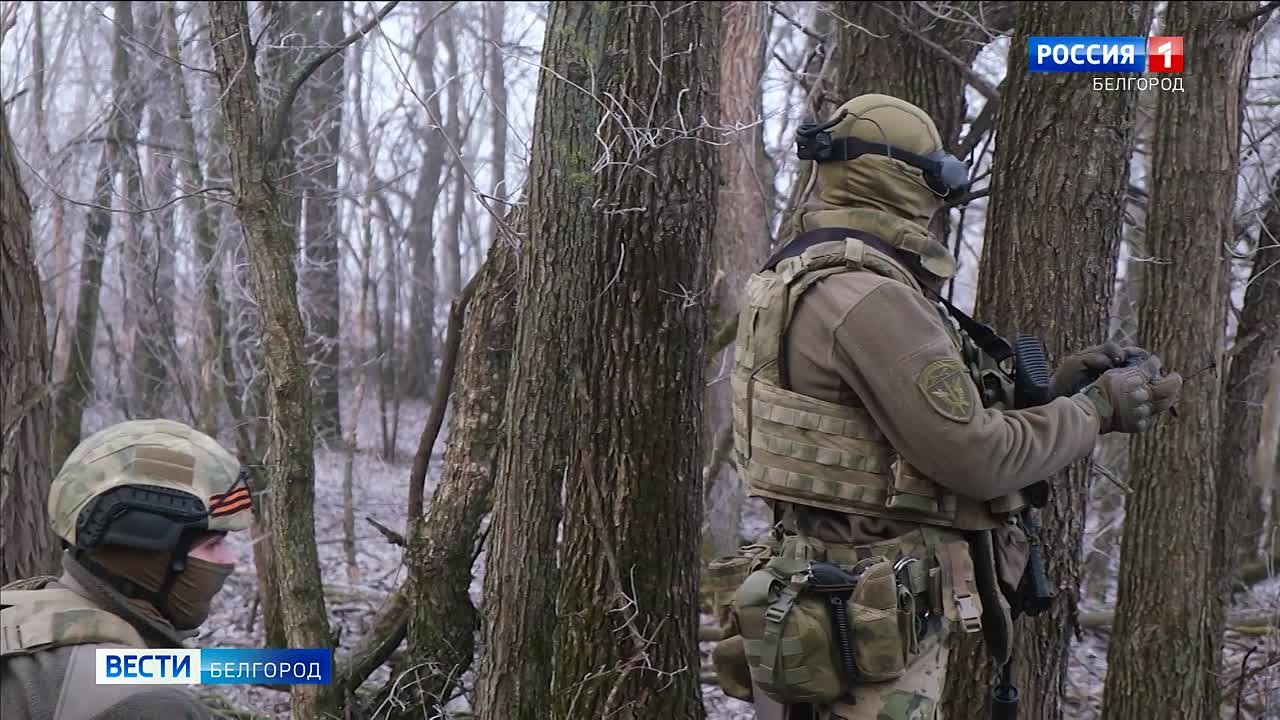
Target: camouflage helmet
147, 484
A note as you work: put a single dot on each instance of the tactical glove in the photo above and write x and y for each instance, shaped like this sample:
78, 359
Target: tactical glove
1076, 371
1129, 398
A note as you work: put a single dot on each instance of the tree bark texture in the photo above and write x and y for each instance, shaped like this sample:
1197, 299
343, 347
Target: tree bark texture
742, 237
442, 620
27, 546
77, 381
1162, 657
420, 356
521, 571
320, 115
1068, 244
271, 247
1257, 345
626, 641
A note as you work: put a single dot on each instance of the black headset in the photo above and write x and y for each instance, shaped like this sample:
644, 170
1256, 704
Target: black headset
945, 174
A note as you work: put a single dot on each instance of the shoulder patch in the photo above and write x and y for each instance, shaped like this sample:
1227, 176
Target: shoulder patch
946, 385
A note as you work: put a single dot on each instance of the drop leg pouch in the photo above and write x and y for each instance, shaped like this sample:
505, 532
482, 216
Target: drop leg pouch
787, 634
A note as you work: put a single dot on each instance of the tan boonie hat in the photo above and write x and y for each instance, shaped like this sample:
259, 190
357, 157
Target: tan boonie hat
141, 483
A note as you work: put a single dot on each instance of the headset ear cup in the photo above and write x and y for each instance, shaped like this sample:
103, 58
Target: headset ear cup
935, 183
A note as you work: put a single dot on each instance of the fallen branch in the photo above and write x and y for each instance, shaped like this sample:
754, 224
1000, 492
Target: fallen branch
388, 631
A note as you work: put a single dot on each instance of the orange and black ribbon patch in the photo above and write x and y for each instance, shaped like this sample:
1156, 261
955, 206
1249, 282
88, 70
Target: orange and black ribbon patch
233, 501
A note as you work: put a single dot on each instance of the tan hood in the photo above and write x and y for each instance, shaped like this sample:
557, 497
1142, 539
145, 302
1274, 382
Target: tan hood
874, 181
877, 194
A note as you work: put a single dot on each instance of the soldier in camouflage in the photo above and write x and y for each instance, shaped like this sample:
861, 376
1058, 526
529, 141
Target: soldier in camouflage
885, 440
142, 509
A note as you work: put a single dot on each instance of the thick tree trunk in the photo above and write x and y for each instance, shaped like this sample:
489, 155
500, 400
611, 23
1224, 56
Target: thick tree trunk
420, 353
741, 241
1162, 657
626, 644
320, 114
1256, 345
26, 545
1070, 245
521, 572
442, 620
77, 380
271, 252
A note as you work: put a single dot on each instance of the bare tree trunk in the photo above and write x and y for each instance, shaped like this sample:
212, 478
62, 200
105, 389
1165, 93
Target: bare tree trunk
59, 282
1070, 245
420, 356
27, 546
741, 241
495, 17
1162, 657
1256, 344
626, 642
215, 350
442, 620
77, 382
144, 302
452, 274
521, 572
321, 116
271, 249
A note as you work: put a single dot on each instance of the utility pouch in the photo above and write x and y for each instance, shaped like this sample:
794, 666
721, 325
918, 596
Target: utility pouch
961, 603
1012, 549
911, 490
788, 634
879, 645
723, 578
726, 574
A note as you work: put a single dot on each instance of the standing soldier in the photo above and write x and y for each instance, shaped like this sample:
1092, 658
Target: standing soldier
142, 509
884, 439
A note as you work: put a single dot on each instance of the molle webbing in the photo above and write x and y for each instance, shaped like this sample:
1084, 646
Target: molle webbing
34, 620
797, 448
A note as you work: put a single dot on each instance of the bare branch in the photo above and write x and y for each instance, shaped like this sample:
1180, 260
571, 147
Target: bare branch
280, 119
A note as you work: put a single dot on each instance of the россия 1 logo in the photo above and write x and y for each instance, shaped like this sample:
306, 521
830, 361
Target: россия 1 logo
1083, 54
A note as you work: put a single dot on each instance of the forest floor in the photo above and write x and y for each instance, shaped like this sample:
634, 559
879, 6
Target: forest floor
355, 595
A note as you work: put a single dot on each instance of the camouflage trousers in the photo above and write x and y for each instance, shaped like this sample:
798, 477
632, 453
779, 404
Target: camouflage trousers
914, 696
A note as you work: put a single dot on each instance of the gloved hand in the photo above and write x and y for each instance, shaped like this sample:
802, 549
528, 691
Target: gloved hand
1165, 387
1129, 398
1076, 371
